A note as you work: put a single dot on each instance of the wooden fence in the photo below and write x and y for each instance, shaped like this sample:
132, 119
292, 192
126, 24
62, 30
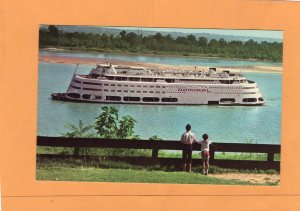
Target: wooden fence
155, 146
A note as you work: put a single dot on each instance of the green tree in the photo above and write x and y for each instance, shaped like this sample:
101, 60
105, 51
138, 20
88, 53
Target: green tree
191, 38
158, 37
123, 34
133, 39
202, 42
126, 125
161, 43
222, 43
106, 124
169, 38
213, 43
182, 40
53, 30
250, 43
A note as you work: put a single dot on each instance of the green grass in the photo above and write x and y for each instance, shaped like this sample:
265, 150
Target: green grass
222, 155
244, 156
241, 156
276, 157
104, 162
161, 153
169, 154
91, 174
54, 150
111, 171
94, 151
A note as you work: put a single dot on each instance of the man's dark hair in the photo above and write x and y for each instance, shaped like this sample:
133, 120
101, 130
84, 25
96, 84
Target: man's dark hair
205, 136
188, 127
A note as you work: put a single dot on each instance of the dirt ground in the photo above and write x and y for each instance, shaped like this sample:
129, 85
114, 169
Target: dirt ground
253, 178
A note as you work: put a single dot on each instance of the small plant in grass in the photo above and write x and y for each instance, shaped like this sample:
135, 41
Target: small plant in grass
78, 131
155, 138
251, 141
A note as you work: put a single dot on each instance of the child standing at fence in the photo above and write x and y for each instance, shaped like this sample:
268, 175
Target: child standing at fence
187, 139
205, 153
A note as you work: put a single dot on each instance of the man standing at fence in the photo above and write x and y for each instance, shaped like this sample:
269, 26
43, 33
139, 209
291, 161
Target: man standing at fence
187, 139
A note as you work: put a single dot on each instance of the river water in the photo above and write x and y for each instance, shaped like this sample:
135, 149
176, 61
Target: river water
260, 124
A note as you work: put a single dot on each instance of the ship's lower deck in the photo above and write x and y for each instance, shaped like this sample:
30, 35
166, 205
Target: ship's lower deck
157, 101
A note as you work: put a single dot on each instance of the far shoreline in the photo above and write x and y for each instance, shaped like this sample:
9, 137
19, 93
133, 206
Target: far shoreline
94, 61
158, 54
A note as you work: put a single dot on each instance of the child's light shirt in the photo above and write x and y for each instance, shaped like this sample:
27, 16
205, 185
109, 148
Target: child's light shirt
205, 145
188, 138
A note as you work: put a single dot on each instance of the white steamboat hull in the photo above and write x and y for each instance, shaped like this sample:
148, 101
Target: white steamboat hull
85, 89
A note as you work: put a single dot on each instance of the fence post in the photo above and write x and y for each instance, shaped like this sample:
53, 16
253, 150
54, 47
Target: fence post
270, 156
76, 151
154, 153
212, 154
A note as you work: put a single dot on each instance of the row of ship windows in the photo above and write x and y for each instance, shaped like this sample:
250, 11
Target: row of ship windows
251, 100
252, 87
128, 98
155, 99
168, 80
232, 100
125, 85
131, 91
145, 86
163, 92
245, 100
238, 93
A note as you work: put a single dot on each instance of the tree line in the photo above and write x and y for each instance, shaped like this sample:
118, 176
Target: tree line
158, 43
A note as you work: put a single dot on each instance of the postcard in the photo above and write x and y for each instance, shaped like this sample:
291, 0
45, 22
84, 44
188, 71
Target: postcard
129, 93
149, 105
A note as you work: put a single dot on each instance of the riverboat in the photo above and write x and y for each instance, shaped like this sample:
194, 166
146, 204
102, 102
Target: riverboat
109, 83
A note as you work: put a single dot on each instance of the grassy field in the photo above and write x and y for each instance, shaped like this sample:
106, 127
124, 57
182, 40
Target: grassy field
104, 170
224, 155
92, 174
110, 171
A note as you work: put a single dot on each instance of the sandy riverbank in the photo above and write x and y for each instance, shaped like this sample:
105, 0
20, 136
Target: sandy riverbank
94, 61
253, 178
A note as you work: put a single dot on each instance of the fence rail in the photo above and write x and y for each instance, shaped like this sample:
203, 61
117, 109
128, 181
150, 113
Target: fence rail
155, 146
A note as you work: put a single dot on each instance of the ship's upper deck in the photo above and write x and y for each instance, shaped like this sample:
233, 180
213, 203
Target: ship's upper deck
142, 74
